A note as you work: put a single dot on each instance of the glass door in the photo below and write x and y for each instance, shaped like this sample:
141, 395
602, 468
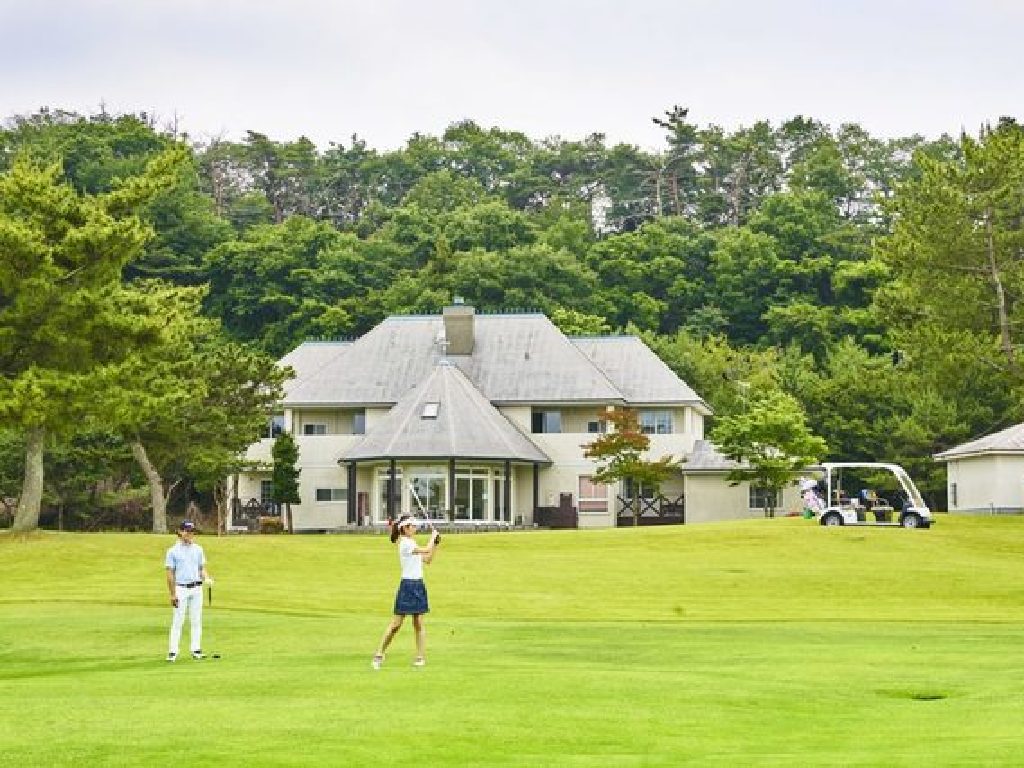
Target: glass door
427, 489
470, 500
501, 511
382, 494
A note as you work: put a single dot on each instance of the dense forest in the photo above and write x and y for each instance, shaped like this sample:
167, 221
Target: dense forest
875, 282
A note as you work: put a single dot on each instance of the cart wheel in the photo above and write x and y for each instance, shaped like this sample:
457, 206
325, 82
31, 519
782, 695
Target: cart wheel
832, 518
911, 520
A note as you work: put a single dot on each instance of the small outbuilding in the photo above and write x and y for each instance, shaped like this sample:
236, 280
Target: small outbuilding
710, 495
986, 476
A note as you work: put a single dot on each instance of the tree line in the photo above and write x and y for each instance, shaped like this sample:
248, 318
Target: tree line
872, 282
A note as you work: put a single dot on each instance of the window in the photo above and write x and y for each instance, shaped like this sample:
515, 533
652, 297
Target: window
593, 496
469, 501
628, 490
546, 422
428, 491
655, 422
383, 489
267, 491
332, 494
499, 507
430, 410
275, 426
763, 498
952, 495
314, 429
597, 427
359, 422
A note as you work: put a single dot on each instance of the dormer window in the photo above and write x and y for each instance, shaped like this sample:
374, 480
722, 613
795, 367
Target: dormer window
430, 410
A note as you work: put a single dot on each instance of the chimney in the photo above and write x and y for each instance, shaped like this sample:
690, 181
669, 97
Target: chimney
458, 328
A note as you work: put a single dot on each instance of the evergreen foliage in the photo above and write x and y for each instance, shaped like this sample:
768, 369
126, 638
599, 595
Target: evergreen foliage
793, 256
285, 476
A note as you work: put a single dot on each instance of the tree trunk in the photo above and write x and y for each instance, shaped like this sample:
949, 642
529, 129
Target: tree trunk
220, 495
1004, 320
288, 512
156, 487
26, 518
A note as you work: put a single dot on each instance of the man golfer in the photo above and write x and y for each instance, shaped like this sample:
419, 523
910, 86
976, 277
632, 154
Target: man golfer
186, 572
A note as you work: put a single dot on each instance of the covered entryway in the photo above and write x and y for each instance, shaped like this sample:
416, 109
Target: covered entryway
445, 453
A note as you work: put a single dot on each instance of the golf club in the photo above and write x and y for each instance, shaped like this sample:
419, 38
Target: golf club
423, 511
209, 598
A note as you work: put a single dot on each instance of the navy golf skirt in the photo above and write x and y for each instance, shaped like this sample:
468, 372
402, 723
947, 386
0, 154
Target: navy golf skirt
411, 599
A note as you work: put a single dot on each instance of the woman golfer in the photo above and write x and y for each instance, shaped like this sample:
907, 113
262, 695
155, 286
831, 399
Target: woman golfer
411, 599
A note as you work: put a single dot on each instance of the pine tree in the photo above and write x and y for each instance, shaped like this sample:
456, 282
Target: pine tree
286, 474
66, 321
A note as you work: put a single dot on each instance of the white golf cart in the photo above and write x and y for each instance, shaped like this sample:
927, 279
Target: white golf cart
900, 503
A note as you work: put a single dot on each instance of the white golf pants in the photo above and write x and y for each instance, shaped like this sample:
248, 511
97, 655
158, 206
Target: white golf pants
189, 599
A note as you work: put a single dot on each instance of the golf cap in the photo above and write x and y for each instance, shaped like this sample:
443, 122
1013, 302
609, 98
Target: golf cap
187, 525
807, 484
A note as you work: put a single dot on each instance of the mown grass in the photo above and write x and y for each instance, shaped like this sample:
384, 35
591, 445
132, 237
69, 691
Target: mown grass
771, 642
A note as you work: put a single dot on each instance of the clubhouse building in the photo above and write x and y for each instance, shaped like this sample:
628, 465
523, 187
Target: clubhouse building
481, 420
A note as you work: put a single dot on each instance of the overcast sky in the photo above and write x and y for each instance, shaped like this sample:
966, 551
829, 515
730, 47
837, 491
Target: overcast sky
386, 68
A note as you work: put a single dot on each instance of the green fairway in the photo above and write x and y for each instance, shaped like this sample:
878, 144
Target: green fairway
767, 642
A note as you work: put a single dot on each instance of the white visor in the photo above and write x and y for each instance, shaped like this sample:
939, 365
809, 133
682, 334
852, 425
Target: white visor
408, 521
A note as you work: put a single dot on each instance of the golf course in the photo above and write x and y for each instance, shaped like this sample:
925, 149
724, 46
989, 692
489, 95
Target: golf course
760, 642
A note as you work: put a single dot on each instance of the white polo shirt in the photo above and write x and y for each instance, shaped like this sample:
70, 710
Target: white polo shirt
412, 562
185, 560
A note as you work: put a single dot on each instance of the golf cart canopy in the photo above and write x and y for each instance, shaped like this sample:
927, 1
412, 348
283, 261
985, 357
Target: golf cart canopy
901, 475
868, 507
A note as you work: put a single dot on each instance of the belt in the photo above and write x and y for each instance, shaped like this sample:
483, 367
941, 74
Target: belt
191, 584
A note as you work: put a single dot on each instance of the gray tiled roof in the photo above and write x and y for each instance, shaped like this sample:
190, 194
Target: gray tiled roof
641, 376
466, 425
308, 358
517, 358
706, 458
1010, 440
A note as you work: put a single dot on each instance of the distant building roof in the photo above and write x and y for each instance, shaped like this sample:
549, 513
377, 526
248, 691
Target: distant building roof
308, 358
707, 458
1010, 440
639, 374
516, 358
445, 417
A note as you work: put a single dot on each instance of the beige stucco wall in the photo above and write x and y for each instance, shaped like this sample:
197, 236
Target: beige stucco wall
319, 468
986, 484
568, 464
709, 497
337, 420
